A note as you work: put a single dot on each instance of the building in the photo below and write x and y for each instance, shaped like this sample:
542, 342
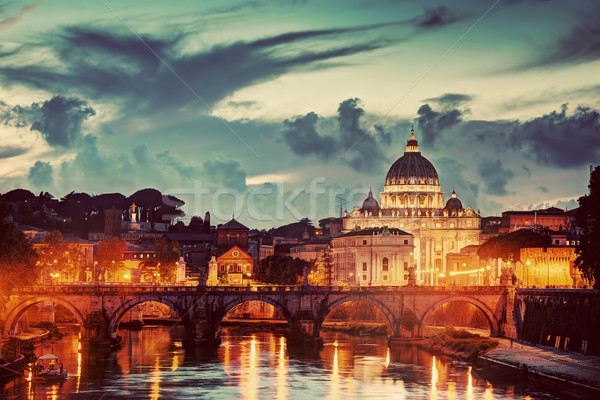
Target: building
413, 202
551, 218
374, 256
233, 233
552, 266
309, 250
464, 269
236, 264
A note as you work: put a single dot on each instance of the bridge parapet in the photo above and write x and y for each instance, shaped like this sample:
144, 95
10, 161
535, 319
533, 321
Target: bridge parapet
203, 307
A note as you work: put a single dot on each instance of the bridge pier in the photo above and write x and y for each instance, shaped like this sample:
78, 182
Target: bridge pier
202, 333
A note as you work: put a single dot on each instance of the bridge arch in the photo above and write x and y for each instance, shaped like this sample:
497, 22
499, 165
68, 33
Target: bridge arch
489, 314
237, 301
17, 312
118, 314
392, 320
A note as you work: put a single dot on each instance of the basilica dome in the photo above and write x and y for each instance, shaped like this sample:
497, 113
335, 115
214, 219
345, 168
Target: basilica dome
370, 204
412, 168
454, 203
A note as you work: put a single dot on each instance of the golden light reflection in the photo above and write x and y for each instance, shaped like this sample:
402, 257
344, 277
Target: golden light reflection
334, 388
54, 392
488, 394
434, 379
155, 381
30, 394
78, 371
253, 352
470, 386
281, 371
227, 358
175, 363
451, 395
387, 358
249, 381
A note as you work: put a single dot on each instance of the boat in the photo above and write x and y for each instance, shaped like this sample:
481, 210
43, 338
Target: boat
48, 368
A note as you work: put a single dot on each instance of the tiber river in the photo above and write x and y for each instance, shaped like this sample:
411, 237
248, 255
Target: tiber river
153, 365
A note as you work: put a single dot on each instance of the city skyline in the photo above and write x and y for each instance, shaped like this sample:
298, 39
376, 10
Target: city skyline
298, 96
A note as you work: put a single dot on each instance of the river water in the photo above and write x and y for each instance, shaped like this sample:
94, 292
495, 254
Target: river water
152, 364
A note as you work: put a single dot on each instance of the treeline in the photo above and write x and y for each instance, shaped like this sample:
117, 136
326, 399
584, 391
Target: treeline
80, 212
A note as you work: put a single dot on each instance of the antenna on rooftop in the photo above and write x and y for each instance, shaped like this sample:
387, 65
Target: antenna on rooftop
342, 202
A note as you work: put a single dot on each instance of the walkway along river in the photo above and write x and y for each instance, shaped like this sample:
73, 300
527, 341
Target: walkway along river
153, 364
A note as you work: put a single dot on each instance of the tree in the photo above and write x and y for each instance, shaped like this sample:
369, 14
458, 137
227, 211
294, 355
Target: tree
165, 262
587, 219
110, 256
280, 269
196, 224
57, 256
508, 247
18, 259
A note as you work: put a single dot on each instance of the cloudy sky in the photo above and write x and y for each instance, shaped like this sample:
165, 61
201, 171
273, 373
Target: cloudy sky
273, 109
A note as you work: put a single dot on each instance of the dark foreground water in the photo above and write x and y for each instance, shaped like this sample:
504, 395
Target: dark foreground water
153, 365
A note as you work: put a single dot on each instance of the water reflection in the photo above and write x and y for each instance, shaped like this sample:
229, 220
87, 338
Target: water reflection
152, 364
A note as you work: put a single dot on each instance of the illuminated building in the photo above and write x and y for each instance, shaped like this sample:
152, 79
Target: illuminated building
412, 201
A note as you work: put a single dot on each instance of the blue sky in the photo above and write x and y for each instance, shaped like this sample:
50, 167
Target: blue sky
273, 109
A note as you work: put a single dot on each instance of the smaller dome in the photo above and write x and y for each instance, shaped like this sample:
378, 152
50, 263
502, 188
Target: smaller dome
370, 204
453, 202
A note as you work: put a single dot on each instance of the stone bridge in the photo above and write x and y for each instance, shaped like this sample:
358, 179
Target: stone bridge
98, 309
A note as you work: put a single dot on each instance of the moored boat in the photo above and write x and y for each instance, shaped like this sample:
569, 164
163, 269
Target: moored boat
48, 368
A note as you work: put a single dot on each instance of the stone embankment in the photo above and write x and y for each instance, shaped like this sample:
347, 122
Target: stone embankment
572, 372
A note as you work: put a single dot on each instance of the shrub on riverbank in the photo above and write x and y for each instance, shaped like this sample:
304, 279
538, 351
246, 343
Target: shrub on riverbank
357, 328
458, 343
51, 328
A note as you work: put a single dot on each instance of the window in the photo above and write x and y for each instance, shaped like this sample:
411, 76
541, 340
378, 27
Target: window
222, 268
405, 277
364, 277
364, 266
406, 265
384, 264
556, 241
385, 277
364, 242
405, 241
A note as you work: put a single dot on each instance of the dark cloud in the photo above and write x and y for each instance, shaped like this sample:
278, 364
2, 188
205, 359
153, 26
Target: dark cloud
11, 151
452, 175
559, 139
227, 173
436, 17
494, 176
542, 189
40, 175
184, 170
363, 151
581, 45
451, 100
360, 149
103, 64
60, 120
302, 137
432, 123
18, 116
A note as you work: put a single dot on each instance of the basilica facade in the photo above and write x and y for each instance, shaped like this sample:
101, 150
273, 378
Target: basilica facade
413, 202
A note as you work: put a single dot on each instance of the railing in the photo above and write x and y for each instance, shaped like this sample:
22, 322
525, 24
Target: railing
83, 288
